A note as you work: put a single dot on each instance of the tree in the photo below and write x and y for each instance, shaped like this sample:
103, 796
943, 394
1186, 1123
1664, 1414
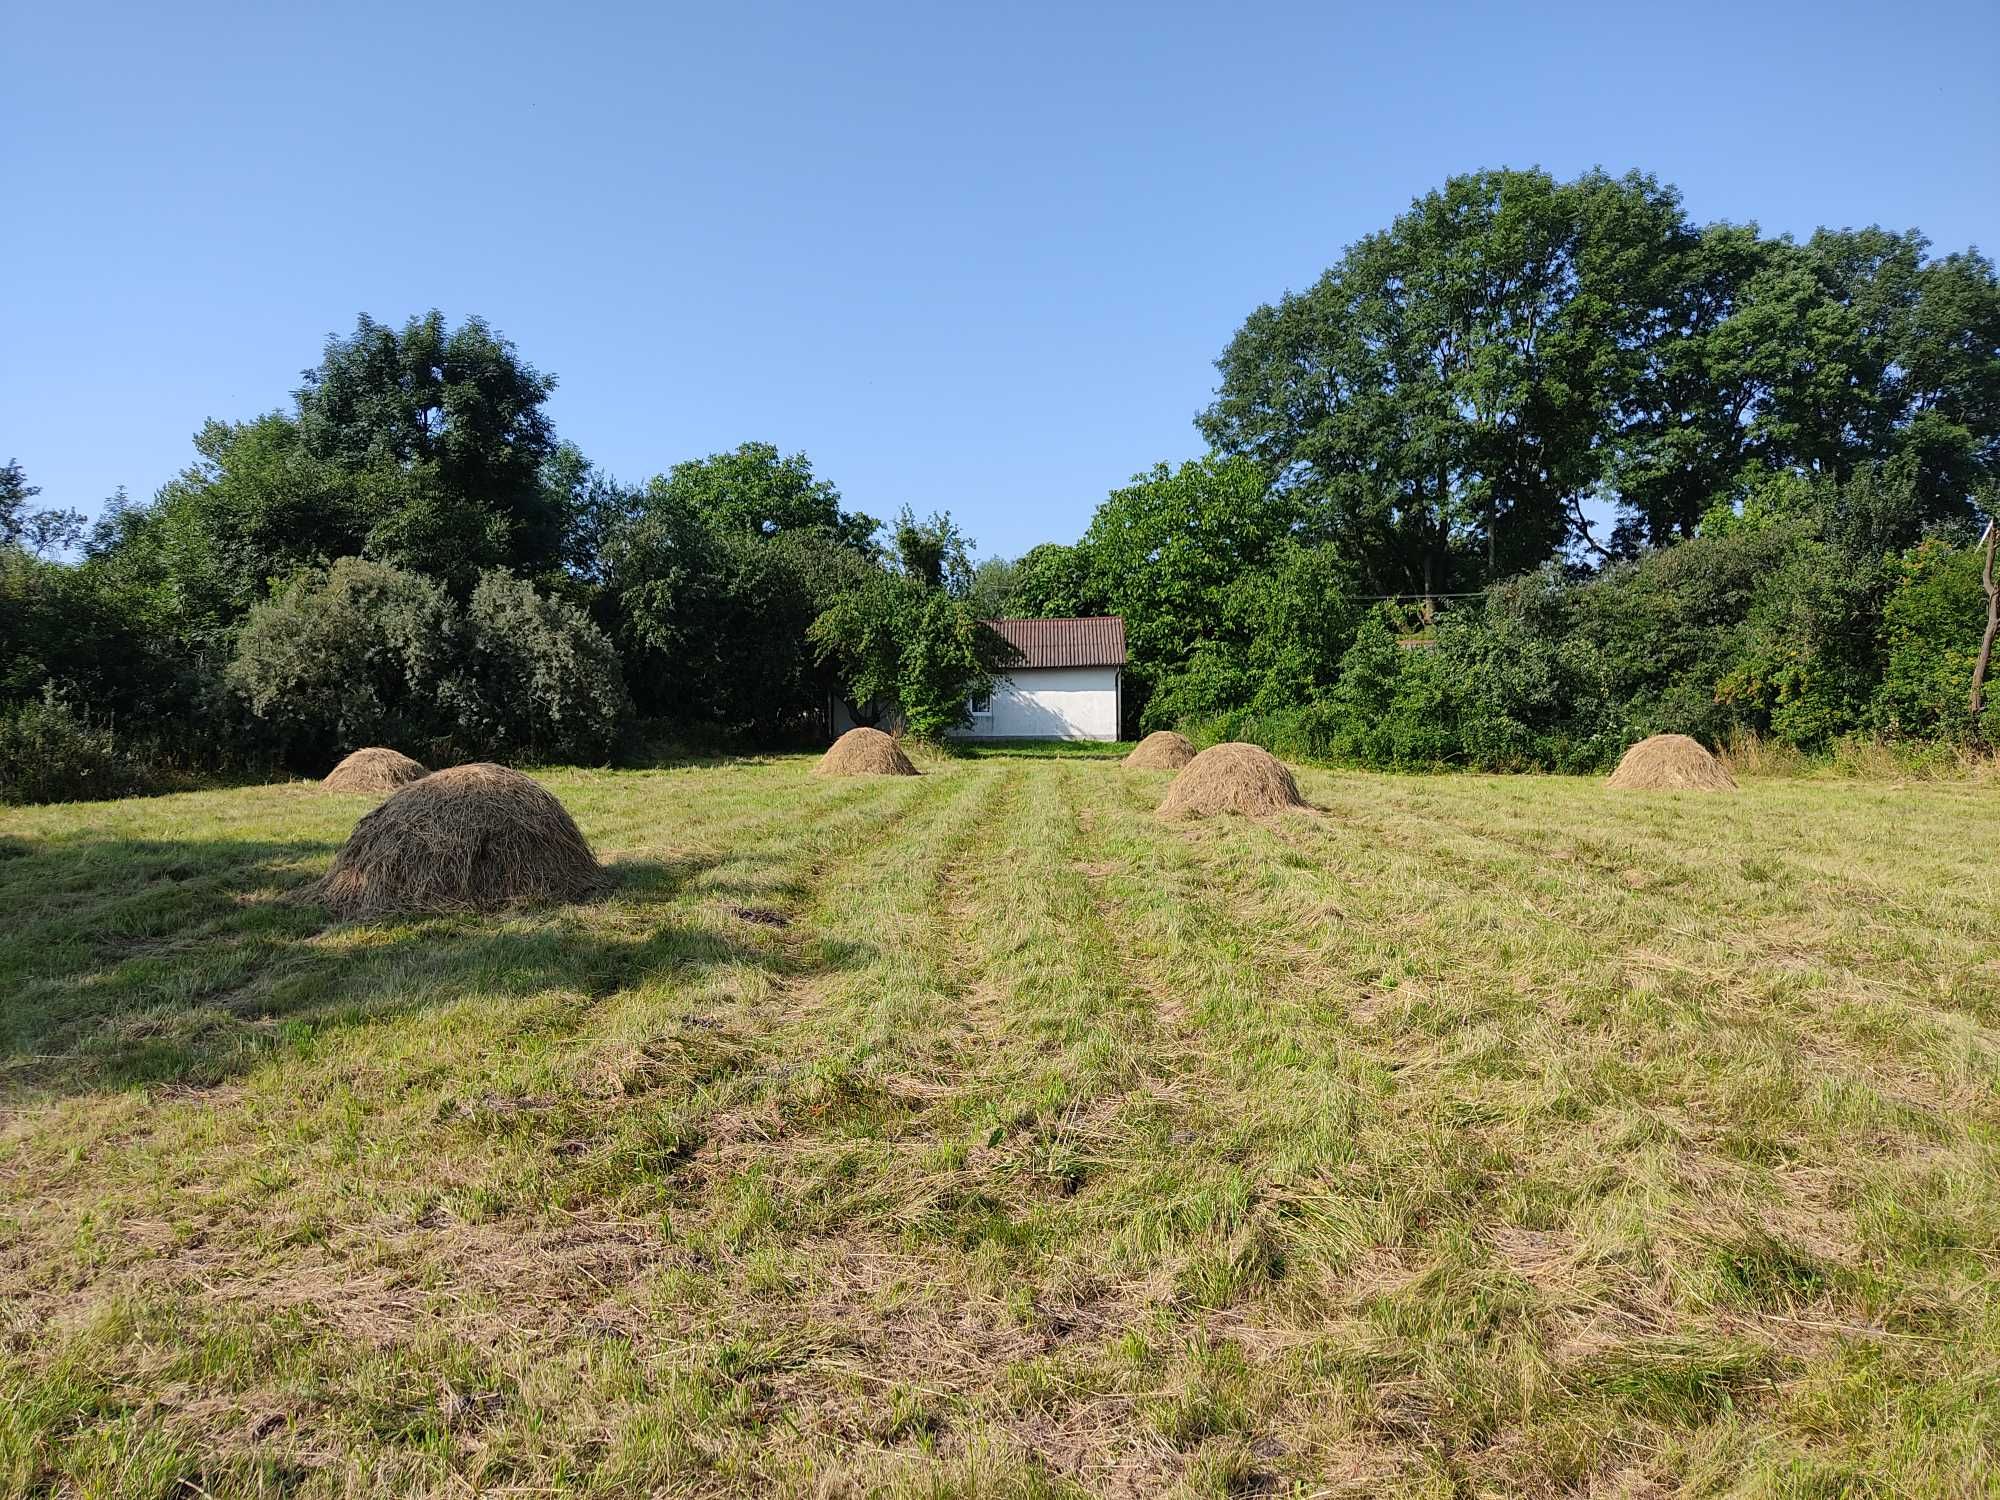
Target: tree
1432, 400
15, 493
443, 432
362, 654
39, 531
991, 593
712, 620
546, 681
1055, 582
1166, 549
368, 654
911, 650
426, 448
756, 491
934, 551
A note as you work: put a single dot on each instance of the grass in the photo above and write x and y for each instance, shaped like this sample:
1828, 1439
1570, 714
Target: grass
981, 1135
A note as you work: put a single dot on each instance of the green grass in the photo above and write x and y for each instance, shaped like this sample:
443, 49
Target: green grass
981, 1135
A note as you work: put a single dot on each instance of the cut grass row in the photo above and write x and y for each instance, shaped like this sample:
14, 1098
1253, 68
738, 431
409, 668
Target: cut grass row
980, 1134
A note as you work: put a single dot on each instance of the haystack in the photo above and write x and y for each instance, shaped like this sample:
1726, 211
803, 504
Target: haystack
1671, 763
473, 838
374, 770
865, 752
1162, 750
1232, 778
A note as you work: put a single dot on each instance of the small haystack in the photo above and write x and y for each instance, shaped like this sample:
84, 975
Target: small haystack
473, 838
374, 770
1232, 778
1671, 763
1162, 750
865, 752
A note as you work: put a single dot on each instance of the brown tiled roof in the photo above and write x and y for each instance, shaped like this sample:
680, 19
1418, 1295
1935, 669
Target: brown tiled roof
1098, 642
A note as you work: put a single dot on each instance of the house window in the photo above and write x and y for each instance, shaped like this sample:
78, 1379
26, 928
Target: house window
981, 705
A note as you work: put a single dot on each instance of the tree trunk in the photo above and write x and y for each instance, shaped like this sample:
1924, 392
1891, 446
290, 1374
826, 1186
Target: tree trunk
1992, 588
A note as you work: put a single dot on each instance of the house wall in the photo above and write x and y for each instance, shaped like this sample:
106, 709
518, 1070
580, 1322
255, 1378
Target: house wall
1051, 703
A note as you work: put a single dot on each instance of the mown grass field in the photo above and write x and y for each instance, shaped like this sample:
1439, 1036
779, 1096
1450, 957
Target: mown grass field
981, 1135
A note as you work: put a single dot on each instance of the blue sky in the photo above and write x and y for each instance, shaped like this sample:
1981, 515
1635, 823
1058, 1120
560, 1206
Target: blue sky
972, 258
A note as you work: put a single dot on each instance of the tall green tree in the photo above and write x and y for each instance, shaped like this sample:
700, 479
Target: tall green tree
1166, 550
1433, 399
40, 531
934, 551
755, 490
426, 447
909, 649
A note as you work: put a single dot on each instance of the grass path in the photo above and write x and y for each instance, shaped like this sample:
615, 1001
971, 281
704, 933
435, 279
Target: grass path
979, 1134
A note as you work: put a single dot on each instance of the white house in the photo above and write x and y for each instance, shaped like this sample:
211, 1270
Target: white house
1068, 684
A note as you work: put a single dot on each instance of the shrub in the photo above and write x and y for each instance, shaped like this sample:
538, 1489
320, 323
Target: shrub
367, 654
545, 682
1931, 627
49, 752
364, 654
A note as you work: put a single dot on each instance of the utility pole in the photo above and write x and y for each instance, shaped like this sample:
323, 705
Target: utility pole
1992, 587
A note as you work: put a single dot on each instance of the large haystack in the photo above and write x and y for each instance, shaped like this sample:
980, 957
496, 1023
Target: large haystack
1232, 778
473, 838
374, 770
1162, 750
865, 752
1671, 763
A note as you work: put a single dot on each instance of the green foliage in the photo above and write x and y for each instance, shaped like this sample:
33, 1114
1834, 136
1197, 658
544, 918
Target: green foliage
51, 752
363, 654
426, 448
755, 490
1761, 628
950, 656
991, 591
712, 620
1931, 627
1276, 639
1432, 399
933, 551
860, 636
40, 532
897, 647
547, 681
1446, 396
1054, 582
367, 654
1166, 551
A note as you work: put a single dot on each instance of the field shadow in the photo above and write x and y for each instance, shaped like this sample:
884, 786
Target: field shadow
1079, 750
149, 962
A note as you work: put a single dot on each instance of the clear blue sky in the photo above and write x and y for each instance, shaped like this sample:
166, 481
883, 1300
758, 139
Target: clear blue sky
975, 258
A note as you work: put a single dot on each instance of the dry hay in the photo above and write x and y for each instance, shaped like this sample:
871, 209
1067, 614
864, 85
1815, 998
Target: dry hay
865, 752
374, 770
1234, 778
1162, 750
473, 838
1671, 763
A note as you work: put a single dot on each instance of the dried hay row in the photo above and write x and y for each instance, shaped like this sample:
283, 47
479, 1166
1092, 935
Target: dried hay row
374, 769
1232, 777
474, 838
865, 752
1671, 763
1162, 750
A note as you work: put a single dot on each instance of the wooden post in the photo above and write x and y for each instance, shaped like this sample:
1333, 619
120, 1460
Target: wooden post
1992, 588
